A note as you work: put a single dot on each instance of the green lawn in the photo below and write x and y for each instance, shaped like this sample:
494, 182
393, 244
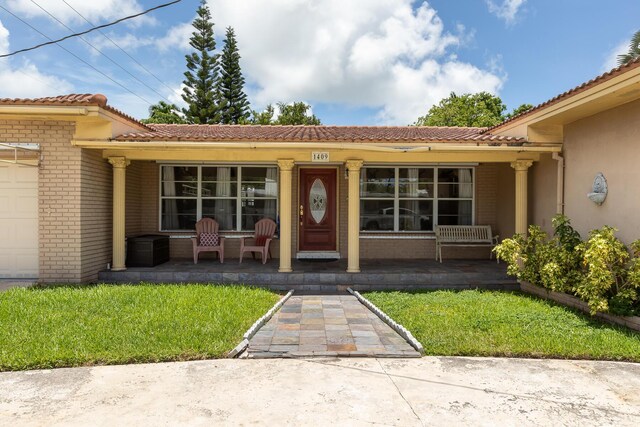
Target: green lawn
104, 324
485, 323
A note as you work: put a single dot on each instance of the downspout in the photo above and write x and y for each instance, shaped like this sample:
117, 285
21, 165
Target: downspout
560, 183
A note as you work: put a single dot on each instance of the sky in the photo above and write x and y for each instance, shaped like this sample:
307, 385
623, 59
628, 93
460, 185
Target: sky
357, 62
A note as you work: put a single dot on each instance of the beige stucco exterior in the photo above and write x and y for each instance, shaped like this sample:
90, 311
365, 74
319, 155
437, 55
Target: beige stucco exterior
608, 142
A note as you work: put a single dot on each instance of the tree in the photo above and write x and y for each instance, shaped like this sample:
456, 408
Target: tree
263, 118
296, 113
163, 112
201, 76
234, 107
519, 110
634, 50
474, 110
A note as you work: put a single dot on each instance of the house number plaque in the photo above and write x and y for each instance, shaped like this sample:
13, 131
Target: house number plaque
320, 156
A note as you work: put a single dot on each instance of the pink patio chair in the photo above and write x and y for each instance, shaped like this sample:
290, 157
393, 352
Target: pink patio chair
207, 239
265, 229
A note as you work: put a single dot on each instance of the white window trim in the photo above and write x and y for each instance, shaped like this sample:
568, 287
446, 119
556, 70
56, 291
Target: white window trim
396, 199
238, 197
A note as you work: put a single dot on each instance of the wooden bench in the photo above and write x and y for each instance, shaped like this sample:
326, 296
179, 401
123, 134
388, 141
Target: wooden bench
464, 235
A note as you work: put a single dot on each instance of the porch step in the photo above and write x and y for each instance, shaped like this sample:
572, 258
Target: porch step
328, 276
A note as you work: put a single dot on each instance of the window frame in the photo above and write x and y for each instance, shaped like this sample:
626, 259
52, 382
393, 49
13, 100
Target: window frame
238, 198
397, 199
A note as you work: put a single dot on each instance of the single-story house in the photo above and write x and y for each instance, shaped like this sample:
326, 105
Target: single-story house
77, 177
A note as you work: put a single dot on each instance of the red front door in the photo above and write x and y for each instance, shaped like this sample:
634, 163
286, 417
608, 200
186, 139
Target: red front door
317, 210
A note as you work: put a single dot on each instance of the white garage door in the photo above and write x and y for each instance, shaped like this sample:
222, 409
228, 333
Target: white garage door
18, 221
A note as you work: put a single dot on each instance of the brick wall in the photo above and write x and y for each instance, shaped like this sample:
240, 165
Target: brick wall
59, 196
486, 206
75, 201
96, 178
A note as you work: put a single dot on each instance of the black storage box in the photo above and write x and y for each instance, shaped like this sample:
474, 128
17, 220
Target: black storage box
147, 250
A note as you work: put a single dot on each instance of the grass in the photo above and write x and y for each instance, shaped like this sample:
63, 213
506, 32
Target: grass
485, 323
113, 324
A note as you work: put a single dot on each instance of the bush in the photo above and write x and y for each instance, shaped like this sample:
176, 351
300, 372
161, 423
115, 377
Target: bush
600, 270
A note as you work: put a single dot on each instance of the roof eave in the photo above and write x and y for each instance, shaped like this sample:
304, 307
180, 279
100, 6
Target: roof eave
399, 146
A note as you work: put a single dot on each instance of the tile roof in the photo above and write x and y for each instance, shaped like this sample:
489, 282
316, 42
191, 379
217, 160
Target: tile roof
356, 134
631, 65
81, 100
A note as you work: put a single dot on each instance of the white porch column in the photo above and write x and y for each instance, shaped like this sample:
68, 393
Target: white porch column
353, 220
119, 177
521, 167
286, 167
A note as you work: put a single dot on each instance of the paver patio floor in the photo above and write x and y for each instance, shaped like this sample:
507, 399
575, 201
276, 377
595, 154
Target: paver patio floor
327, 325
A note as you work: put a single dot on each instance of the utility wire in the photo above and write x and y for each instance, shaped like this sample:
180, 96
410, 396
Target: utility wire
76, 56
83, 32
99, 51
119, 47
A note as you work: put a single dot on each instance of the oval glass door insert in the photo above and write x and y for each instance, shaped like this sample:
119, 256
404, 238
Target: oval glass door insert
318, 200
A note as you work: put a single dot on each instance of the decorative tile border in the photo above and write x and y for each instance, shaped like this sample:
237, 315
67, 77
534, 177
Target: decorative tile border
257, 325
401, 330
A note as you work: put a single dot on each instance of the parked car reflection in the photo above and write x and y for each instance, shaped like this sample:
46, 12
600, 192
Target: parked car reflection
408, 220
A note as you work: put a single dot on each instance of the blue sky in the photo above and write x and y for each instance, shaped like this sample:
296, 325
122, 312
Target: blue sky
366, 62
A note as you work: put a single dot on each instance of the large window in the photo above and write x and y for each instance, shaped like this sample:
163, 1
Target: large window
415, 199
235, 196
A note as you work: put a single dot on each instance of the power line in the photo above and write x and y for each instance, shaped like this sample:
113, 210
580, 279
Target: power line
76, 56
119, 47
99, 51
83, 32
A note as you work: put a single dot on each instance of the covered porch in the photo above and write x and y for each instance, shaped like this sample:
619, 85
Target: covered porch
326, 276
382, 203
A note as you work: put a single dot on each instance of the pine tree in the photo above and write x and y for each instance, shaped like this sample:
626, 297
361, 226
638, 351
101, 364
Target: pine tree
234, 107
201, 77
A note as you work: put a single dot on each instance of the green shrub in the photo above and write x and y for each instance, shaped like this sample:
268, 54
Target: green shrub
611, 274
600, 270
550, 263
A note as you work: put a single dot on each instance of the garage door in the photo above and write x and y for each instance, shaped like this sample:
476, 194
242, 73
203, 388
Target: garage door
18, 221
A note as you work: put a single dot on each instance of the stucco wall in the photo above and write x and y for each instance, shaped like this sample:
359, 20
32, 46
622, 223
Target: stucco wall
506, 205
542, 189
608, 142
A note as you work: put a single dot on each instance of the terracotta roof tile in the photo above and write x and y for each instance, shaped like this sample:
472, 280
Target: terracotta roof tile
631, 65
356, 134
84, 99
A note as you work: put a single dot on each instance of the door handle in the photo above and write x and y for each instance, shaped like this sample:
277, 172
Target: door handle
301, 213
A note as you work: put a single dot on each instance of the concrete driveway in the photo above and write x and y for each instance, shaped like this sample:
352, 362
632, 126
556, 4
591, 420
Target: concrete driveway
403, 392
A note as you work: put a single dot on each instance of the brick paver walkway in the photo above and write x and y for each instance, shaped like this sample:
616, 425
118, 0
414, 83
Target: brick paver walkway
327, 325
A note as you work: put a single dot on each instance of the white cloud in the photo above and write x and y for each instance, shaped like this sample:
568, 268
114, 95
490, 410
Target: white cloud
127, 41
94, 11
507, 10
26, 81
365, 53
176, 37
611, 60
